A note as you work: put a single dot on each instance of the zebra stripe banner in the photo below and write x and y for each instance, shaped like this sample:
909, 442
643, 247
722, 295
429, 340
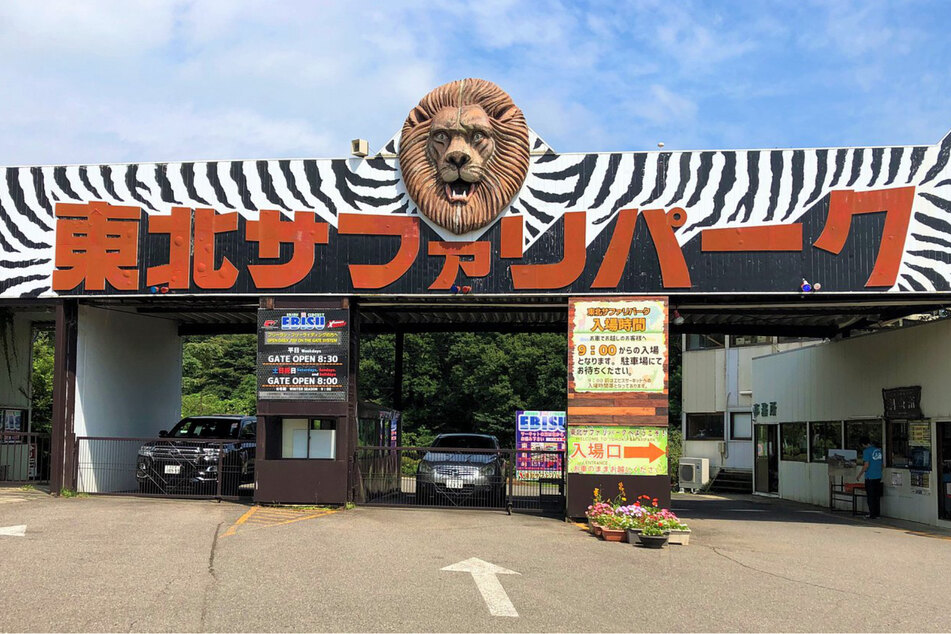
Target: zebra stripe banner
848, 220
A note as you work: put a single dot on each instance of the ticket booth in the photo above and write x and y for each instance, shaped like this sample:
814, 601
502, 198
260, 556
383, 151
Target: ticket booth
306, 396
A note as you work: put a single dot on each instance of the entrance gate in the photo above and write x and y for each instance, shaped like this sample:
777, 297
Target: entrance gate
161, 467
461, 478
24, 458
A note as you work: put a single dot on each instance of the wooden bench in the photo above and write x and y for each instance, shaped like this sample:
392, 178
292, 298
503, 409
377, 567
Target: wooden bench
846, 492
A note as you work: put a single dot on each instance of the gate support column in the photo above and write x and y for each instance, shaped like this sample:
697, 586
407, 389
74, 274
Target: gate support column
63, 440
617, 400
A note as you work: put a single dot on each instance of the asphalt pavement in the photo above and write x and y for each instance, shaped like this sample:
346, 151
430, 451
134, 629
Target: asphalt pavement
127, 564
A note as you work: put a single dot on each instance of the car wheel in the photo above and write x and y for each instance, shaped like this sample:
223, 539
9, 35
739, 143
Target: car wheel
145, 487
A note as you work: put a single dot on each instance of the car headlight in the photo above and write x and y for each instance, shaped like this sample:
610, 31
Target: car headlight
487, 470
425, 468
146, 451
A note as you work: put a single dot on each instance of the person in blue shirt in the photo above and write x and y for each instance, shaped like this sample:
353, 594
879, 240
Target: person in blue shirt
872, 469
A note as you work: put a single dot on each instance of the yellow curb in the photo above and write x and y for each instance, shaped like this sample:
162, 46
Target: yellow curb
261, 519
241, 520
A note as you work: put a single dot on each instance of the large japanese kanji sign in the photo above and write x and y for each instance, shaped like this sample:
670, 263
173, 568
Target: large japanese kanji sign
468, 196
598, 450
619, 346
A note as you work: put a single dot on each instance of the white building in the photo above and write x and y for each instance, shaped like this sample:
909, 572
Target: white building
829, 396
718, 403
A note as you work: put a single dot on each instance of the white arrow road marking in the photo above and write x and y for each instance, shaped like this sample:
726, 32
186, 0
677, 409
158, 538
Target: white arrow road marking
488, 584
13, 531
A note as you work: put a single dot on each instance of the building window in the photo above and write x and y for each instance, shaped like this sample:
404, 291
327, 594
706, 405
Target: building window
823, 437
855, 430
741, 426
704, 342
897, 452
793, 441
749, 340
309, 438
705, 426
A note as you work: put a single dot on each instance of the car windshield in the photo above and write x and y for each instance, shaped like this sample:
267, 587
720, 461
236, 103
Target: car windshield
205, 428
465, 442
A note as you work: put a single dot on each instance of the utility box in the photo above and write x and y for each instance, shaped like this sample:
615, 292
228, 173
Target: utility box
694, 473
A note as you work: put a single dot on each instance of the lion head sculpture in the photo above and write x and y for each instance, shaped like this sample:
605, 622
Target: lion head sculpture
464, 154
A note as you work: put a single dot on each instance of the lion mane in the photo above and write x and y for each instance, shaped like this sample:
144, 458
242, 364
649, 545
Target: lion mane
501, 173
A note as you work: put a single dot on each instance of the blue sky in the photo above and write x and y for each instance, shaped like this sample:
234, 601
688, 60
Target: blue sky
96, 81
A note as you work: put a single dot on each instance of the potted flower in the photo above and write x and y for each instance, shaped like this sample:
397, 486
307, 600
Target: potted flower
612, 528
653, 535
633, 517
679, 534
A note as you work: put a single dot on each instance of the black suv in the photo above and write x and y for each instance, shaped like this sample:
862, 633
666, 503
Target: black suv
462, 466
188, 460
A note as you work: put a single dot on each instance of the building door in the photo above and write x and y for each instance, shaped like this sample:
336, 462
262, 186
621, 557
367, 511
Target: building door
944, 470
766, 461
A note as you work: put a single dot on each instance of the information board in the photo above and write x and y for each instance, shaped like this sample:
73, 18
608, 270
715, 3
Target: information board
619, 346
541, 432
303, 354
617, 450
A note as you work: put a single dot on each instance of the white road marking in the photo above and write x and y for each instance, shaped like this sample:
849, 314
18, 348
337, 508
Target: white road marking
487, 581
13, 531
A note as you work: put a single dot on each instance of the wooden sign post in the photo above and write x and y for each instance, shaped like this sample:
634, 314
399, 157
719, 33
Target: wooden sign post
617, 399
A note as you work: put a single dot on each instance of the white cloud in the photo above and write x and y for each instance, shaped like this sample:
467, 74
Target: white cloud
110, 81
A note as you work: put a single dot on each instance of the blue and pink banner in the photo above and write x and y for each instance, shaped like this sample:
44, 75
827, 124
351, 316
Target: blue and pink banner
539, 432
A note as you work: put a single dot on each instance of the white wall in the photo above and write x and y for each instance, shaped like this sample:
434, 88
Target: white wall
704, 381
844, 380
128, 384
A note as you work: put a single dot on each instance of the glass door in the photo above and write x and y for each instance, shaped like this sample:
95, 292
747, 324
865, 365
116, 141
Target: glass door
944, 470
766, 461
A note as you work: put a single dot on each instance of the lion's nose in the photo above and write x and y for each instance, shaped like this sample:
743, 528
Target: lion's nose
457, 158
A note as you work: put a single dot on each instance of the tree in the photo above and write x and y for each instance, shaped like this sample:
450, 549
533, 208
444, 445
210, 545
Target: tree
466, 382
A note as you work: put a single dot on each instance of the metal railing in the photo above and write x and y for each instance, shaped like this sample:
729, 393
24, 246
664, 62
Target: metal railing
165, 467
518, 479
24, 457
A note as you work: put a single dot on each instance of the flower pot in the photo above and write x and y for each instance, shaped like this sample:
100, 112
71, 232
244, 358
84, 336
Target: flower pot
596, 529
632, 534
681, 537
653, 541
613, 534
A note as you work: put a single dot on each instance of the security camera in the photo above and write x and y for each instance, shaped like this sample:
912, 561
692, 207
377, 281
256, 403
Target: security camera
359, 147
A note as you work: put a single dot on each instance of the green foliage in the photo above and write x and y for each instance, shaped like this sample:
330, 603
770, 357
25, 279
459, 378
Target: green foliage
219, 375
675, 445
466, 382
42, 381
69, 493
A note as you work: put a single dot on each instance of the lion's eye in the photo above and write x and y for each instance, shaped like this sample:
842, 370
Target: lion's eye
478, 136
441, 137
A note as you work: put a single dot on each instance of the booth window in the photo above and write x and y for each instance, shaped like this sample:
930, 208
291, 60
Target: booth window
309, 438
793, 441
704, 342
855, 430
749, 340
705, 426
897, 452
741, 426
823, 437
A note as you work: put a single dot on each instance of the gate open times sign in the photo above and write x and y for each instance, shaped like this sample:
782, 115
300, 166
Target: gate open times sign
303, 354
619, 345
612, 450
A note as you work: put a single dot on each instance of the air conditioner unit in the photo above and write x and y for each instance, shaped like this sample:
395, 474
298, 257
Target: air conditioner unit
694, 472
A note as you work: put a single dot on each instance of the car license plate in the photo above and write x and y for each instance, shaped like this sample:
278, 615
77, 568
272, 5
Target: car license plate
173, 469
454, 483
